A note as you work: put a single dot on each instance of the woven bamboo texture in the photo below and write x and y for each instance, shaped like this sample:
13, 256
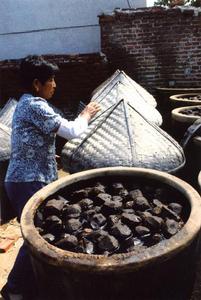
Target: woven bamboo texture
121, 91
120, 88
5, 138
122, 136
120, 76
6, 113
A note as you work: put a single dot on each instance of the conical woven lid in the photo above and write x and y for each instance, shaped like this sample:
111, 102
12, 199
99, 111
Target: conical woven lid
120, 90
5, 138
6, 114
122, 136
119, 76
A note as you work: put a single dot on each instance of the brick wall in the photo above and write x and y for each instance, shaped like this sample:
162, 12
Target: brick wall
155, 46
78, 76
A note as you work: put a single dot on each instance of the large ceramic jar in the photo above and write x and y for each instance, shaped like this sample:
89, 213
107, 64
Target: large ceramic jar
189, 99
181, 121
193, 161
163, 95
197, 153
163, 271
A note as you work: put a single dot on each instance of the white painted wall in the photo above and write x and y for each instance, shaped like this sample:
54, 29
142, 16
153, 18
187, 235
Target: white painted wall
53, 26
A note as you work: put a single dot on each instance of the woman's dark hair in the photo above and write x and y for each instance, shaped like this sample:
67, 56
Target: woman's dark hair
36, 67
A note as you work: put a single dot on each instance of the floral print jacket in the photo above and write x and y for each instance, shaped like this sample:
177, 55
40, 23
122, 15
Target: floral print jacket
33, 141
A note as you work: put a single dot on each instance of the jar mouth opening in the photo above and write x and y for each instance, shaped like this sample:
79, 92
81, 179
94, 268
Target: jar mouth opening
39, 247
184, 97
178, 115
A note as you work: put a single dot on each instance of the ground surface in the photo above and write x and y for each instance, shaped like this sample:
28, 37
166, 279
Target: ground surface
9, 230
12, 230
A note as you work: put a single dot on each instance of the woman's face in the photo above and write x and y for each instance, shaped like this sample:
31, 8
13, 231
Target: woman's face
45, 90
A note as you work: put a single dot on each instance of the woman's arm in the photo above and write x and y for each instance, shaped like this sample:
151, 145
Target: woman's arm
73, 129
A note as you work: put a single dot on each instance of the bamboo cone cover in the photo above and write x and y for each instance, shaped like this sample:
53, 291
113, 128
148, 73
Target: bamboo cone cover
122, 136
120, 76
5, 146
120, 90
121, 86
6, 114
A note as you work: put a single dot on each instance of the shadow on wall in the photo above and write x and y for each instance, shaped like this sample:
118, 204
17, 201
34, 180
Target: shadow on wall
120, 58
79, 75
9, 83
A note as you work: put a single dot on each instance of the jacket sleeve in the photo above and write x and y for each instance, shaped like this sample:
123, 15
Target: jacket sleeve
72, 129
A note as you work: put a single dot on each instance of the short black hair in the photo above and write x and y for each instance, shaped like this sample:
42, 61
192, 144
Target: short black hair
36, 67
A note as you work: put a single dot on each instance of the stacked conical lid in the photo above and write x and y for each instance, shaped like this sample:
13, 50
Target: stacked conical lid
120, 76
6, 116
6, 113
5, 137
122, 134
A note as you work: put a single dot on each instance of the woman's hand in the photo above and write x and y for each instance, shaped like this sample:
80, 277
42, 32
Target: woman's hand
90, 110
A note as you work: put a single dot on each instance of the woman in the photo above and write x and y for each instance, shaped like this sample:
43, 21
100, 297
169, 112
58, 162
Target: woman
32, 163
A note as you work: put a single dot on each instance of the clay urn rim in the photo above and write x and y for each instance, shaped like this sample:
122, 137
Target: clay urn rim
178, 116
122, 262
179, 97
174, 88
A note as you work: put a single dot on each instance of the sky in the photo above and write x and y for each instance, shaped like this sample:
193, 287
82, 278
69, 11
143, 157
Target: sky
150, 2
133, 3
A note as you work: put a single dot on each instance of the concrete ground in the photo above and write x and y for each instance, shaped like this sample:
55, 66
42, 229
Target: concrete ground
9, 230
